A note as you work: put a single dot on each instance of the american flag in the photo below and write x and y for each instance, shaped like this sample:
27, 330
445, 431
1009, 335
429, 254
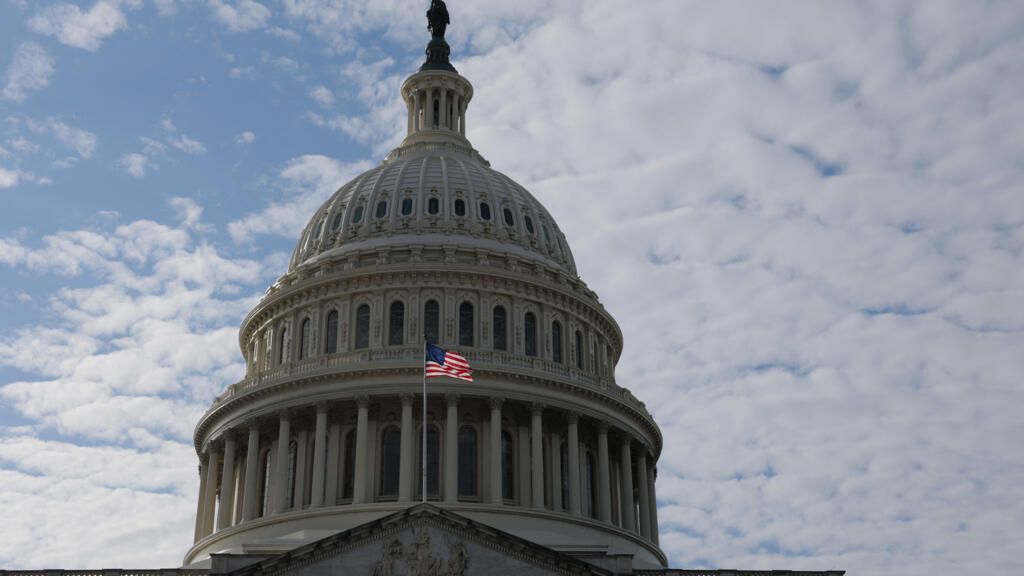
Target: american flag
441, 362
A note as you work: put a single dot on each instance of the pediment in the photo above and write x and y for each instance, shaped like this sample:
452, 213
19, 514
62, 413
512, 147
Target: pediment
421, 541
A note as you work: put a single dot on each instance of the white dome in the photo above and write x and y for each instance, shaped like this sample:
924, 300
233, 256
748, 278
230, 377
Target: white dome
433, 193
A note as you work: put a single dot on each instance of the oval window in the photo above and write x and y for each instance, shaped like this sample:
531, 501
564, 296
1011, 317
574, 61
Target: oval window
319, 229
337, 221
508, 218
529, 224
460, 207
357, 216
485, 210
433, 206
382, 209
406, 206
546, 235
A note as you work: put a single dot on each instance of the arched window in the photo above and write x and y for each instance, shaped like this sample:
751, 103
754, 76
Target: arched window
396, 324
465, 324
390, 461
529, 224
556, 341
304, 340
265, 483
289, 494
467, 461
406, 206
485, 211
509, 221
331, 335
433, 206
530, 334
500, 332
433, 462
508, 466
589, 496
460, 207
363, 327
579, 350
268, 357
348, 475
282, 353
382, 209
357, 216
564, 464
432, 321
337, 221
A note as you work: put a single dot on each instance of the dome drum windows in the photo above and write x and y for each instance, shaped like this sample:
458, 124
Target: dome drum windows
396, 324
485, 211
382, 209
357, 215
460, 207
407, 206
434, 205
362, 339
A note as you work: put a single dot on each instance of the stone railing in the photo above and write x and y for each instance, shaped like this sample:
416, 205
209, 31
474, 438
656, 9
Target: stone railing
412, 356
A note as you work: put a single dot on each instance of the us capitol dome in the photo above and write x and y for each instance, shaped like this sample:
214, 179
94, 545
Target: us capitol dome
324, 433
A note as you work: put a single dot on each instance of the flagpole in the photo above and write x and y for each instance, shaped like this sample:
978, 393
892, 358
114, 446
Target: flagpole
423, 463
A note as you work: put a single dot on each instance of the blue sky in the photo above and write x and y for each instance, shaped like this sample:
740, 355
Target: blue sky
808, 219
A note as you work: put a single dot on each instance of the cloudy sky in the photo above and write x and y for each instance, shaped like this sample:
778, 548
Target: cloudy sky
808, 218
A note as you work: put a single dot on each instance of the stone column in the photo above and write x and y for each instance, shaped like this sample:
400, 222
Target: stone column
495, 460
362, 446
428, 108
442, 121
555, 461
462, 119
316, 499
456, 106
654, 505
406, 463
604, 481
299, 484
201, 501
250, 496
227, 482
417, 122
451, 449
574, 462
280, 501
645, 497
211, 492
626, 469
537, 456
334, 455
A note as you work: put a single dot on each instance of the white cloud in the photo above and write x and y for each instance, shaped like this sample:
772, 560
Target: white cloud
23, 145
238, 73
285, 33
189, 214
31, 69
86, 30
134, 164
81, 141
309, 180
8, 178
186, 144
322, 96
245, 138
166, 7
240, 16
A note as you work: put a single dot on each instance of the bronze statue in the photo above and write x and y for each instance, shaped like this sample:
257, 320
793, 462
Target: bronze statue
437, 19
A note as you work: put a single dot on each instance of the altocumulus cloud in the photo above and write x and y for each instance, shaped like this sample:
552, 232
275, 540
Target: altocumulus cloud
128, 360
808, 223
32, 69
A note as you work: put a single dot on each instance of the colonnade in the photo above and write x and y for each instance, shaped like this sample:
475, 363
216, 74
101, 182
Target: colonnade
449, 115
484, 450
